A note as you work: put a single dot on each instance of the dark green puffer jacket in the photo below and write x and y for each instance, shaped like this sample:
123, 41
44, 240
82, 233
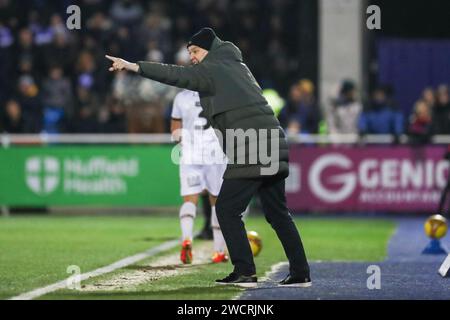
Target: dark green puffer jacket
231, 99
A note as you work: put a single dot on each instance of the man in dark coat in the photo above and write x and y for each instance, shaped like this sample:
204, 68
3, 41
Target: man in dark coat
253, 141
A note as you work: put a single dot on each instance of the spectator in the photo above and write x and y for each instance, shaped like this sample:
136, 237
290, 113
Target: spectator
157, 28
113, 118
441, 111
6, 36
26, 66
428, 96
57, 90
99, 27
153, 52
59, 52
420, 126
27, 52
30, 99
344, 113
57, 26
86, 114
126, 12
13, 121
381, 117
57, 100
86, 69
42, 32
127, 44
303, 113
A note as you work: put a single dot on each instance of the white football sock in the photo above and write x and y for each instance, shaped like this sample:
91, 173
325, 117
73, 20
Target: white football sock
188, 212
219, 241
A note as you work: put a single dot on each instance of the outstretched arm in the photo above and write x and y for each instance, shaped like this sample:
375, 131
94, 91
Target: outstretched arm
194, 78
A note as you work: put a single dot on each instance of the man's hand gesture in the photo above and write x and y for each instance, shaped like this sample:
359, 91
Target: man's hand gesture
120, 64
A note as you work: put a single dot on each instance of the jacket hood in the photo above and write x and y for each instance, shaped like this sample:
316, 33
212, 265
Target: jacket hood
223, 50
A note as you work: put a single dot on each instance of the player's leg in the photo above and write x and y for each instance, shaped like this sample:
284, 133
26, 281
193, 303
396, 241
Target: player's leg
273, 200
233, 198
188, 212
219, 241
213, 178
206, 233
191, 187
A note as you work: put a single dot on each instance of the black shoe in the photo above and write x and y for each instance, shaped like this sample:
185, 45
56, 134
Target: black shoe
300, 282
239, 280
205, 234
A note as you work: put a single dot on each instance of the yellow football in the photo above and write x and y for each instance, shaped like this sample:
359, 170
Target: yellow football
255, 242
436, 226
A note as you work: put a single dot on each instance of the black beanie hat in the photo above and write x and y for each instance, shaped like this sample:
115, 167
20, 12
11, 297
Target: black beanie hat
203, 39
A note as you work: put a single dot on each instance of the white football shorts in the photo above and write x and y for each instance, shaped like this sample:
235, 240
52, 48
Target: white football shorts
196, 178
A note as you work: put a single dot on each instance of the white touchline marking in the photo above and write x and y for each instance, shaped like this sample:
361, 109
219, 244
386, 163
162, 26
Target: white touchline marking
128, 280
273, 270
112, 267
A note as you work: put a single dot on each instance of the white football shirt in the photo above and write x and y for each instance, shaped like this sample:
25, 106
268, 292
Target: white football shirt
198, 145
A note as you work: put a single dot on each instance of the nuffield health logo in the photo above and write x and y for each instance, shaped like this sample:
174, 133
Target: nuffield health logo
42, 174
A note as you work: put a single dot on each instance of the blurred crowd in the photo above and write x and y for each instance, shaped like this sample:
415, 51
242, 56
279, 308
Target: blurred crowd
55, 80
348, 113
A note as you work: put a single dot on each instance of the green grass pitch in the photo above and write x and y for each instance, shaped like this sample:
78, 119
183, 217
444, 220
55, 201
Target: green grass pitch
36, 251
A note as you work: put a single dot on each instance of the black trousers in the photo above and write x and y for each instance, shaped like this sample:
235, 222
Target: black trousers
445, 193
233, 199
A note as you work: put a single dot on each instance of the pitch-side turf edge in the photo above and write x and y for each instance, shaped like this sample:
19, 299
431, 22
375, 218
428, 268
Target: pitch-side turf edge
98, 272
131, 279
